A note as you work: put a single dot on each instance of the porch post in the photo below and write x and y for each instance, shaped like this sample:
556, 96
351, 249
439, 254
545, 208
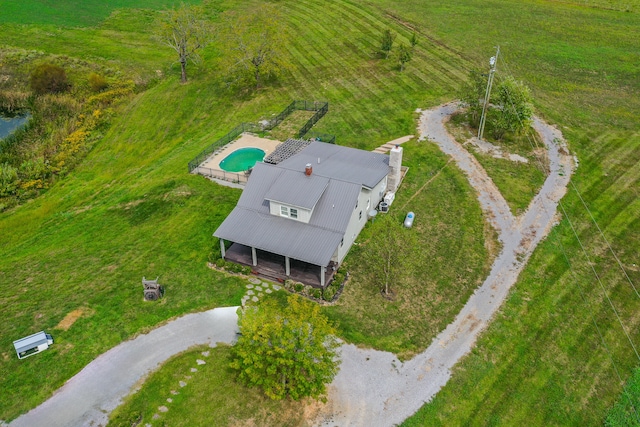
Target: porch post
287, 267
254, 255
322, 276
222, 248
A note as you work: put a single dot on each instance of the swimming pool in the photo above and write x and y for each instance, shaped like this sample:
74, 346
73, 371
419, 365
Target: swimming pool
242, 159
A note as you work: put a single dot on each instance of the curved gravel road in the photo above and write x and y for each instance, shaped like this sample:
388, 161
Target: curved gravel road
89, 397
373, 388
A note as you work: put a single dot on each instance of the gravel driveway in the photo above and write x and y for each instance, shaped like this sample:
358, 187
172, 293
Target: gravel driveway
373, 388
89, 397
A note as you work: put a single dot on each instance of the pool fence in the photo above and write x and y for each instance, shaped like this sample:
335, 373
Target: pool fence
320, 108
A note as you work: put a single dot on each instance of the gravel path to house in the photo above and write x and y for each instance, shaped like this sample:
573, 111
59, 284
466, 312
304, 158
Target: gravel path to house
373, 388
89, 397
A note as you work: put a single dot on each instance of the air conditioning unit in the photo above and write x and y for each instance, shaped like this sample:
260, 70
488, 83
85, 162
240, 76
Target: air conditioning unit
389, 198
383, 207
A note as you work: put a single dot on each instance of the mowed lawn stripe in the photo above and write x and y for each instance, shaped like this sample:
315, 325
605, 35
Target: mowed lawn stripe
389, 83
349, 82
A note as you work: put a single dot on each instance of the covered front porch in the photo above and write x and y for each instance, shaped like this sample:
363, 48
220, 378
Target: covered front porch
278, 267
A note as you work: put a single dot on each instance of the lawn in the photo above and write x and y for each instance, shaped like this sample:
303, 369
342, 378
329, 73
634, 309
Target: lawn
518, 182
210, 395
542, 361
130, 209
448, 253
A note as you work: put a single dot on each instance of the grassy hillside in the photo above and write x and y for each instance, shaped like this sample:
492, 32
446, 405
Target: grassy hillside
131, 210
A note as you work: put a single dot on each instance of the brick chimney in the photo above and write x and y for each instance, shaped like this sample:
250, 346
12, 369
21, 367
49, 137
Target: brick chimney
308, 169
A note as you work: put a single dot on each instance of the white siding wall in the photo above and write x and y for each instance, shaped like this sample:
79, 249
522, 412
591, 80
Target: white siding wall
359, 217
304, 215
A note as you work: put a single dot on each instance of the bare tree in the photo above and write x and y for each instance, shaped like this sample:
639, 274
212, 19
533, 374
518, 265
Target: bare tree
184, 30
385, 252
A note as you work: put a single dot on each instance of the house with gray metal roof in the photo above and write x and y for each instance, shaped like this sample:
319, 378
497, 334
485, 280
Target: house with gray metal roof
298, 218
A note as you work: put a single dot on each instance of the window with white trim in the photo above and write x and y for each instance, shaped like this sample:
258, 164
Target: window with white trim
293, 213
284, 211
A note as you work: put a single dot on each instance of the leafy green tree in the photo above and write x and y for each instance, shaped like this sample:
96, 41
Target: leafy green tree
413, 40
405, 53
386, 42
48, 78
288, 351
185, 30
514, 110
254, 45
472, 95
8, 180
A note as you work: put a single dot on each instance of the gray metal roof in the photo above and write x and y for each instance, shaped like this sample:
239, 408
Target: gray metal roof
343, 163
280, 235
333, 202
297, 189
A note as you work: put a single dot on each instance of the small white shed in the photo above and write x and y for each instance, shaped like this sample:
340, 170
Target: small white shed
32, 344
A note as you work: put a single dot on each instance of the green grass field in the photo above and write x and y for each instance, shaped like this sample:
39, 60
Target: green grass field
130, 209
212, 381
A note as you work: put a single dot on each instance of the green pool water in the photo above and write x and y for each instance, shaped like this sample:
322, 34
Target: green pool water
242, 159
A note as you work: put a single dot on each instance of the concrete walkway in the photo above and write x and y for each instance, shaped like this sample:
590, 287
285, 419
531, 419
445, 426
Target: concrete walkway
89, 397
385, 148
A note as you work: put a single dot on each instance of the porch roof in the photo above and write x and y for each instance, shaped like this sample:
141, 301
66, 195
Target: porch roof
280, 235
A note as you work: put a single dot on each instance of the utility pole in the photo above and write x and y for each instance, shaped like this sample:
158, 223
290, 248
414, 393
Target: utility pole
492, 62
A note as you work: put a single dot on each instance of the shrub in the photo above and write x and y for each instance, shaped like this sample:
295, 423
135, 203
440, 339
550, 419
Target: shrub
97, 82
298, 287
48, 78
8, 180
316, 293
288, 284
289, 350
329, 292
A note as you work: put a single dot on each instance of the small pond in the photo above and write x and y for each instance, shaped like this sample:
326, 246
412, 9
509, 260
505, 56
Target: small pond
8, 125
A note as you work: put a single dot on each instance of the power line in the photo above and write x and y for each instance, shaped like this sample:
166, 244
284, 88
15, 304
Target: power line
593, 319
578, 193
575, 232
624, 385
605, 239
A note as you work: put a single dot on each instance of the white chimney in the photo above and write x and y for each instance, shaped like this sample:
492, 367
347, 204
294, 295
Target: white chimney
395, 165
308, 169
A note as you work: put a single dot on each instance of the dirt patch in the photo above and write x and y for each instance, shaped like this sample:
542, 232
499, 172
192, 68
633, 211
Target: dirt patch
72, 316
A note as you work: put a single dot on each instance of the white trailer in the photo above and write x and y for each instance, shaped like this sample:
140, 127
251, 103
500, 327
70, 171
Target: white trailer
32, 344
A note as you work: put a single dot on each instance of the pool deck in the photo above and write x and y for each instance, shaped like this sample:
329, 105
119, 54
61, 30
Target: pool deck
245, 140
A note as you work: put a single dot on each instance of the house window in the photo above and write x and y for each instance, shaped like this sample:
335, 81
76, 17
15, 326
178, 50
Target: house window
293, 213
342, 242
284, 211
360, 216
356, 204
368, 204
